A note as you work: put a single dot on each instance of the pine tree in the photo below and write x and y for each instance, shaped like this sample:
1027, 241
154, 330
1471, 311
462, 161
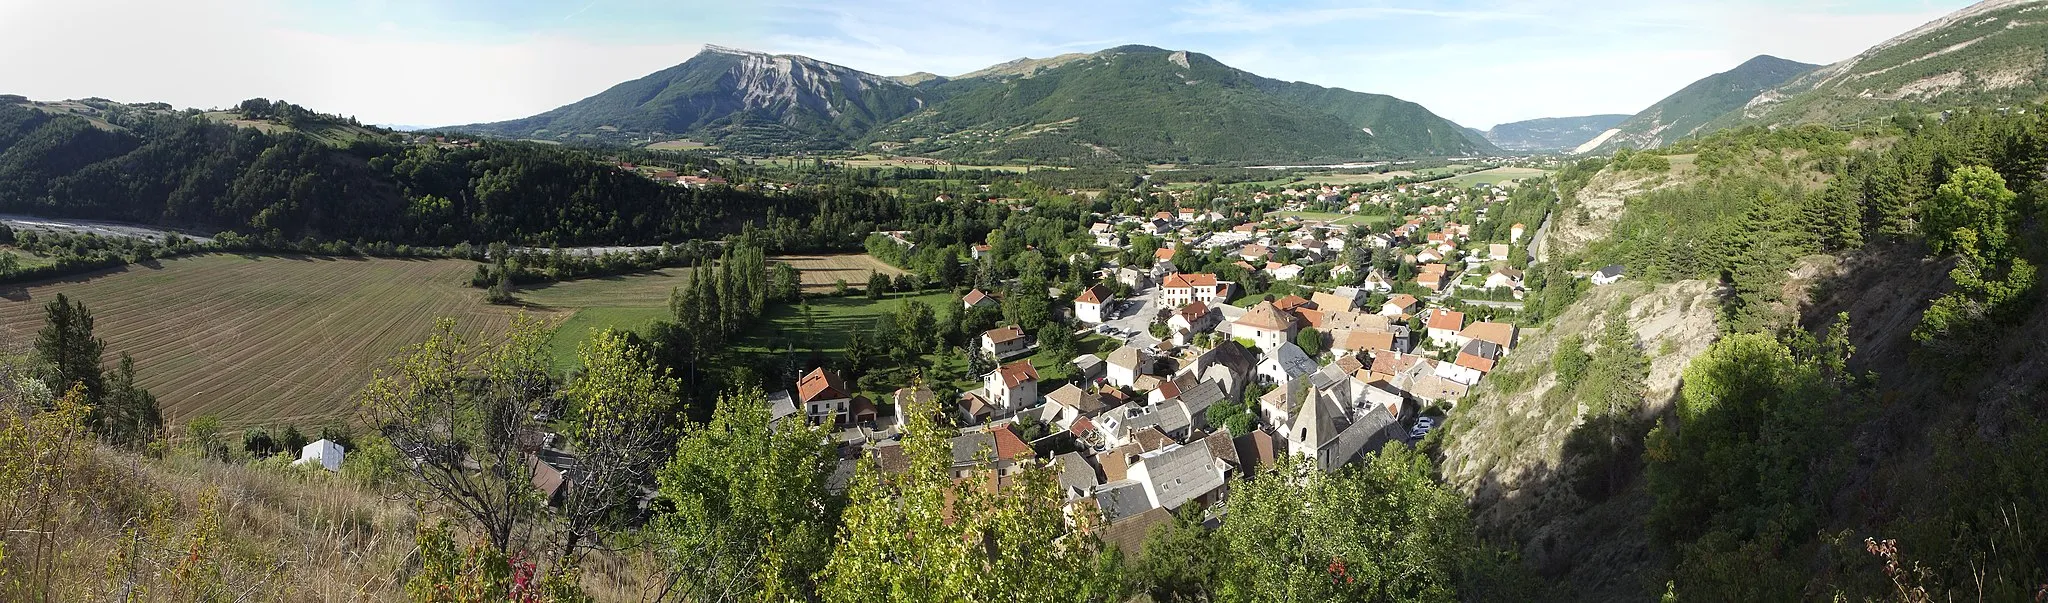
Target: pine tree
69, 350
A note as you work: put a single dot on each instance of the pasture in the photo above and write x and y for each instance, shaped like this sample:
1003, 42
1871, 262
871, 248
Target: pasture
832, 319
261, 339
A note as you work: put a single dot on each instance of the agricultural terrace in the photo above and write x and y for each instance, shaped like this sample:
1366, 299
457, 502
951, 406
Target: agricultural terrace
261, 339
630, 302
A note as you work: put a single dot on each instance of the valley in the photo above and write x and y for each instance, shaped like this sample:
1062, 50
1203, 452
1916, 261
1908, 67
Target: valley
1124, 324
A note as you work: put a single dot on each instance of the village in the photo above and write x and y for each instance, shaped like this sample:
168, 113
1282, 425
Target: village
1213, 377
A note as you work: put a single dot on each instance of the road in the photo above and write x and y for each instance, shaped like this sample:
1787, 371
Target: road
117, 230
1135, 316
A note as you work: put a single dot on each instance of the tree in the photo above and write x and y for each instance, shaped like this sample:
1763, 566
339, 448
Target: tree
920, 535
1179, 558
620, 427
1969, 215
129, 415
466, 413
1310, 340
750, 508
70, 353
1056, 343
1384, 531
878, 284
9, 262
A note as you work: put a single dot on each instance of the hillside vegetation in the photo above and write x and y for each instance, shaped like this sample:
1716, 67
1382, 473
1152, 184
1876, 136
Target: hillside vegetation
1143, 104
1689, 111
1551, 134
1753, 421
1985, 56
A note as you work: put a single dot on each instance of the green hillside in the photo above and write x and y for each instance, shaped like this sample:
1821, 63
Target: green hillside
1688, 111
1988, 55
1137, 103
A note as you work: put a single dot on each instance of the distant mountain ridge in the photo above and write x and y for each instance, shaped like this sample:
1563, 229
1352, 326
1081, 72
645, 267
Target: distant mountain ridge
1124, 104
1688, 111
1987, 55
736, 98
1550, 134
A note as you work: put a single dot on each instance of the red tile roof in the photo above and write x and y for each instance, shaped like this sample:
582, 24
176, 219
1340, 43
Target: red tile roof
1445, 319
1178, 280
1016, 373
975, 297
1289, 303
1193, 311
1164, 253
1482, 364
1010, 446
1093, 295
820, 384
1403, 301
1002, 335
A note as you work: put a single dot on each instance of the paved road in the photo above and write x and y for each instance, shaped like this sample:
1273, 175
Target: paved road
1135, 315
119, 230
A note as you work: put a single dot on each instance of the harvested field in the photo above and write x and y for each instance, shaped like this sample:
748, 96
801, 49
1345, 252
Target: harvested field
821, 271
261, 340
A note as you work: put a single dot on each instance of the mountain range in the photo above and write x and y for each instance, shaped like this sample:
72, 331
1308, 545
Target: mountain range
1549, 134
1127, 104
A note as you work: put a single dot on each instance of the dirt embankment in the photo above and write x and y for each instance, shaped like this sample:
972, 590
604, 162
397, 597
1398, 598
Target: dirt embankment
1591, 212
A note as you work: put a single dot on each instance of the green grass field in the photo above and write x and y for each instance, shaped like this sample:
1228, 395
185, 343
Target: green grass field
1494, 176
832, 320
25, 259
585, 323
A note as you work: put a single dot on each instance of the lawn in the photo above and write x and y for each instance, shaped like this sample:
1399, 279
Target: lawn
832, 320
568, 338
25, 259
262, 339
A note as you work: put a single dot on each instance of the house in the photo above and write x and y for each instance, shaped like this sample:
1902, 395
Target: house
1433, 281
825, 397
980, 250
780, 406
1181, 289
1003, 341
1163, 254
1105, 235
1077, 478
1265, 325
1089, 367
1334, 437
1609, 275
914, 400
1504, 277
1498, 333
1284, 272
1126, 364
1089, 306
1429, 255
1498, 251
1515, 232
1331, 302
1286, 364
1001, 448
1196, 317
1131, 277
1444, 325
1377, 281
1352, 341
1011, 387
975, 299
324, 452
1459, 373
1479, 355
1179, 474
1254, 252
1401, 304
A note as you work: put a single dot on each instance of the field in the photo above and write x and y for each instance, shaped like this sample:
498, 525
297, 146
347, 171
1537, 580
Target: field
261, 340
1337, 218
1494, 176
832, 320
23, 258
879, 161
631, 302
681, 144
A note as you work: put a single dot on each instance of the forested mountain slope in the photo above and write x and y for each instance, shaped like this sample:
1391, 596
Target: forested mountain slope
183, 169
1144, 104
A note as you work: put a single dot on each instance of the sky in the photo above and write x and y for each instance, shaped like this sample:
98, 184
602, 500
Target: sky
446, 62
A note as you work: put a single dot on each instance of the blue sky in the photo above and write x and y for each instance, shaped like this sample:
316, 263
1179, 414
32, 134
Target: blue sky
435, 62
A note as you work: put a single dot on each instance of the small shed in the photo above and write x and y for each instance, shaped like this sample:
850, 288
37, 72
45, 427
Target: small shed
325, 452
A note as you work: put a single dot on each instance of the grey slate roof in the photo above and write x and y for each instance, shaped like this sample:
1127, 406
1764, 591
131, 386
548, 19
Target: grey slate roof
1076, 473
967, 447
1120, 499
1179, 474
1200, 397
